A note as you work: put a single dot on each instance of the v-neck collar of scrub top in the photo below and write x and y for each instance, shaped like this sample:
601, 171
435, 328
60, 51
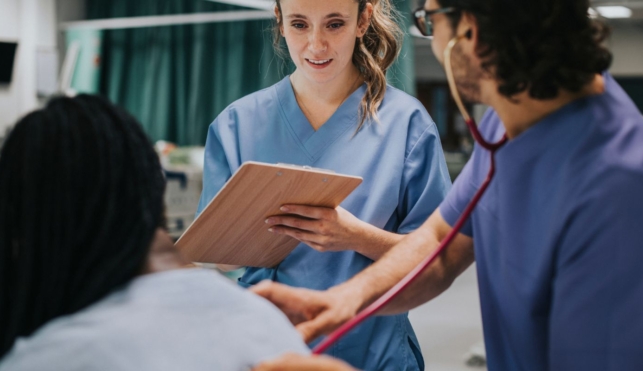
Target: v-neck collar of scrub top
312, 142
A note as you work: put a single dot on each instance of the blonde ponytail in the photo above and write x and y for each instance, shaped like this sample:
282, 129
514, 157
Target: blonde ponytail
375, 52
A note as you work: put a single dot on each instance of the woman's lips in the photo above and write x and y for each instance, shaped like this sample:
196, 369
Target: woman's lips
319, 63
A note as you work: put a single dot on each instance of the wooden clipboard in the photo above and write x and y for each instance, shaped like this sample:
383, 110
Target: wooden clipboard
232, 229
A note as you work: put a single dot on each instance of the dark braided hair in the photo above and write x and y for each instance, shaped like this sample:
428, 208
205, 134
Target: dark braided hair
539, 46
81, 195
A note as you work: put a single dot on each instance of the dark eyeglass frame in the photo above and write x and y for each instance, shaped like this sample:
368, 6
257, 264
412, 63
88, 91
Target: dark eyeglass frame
422, 19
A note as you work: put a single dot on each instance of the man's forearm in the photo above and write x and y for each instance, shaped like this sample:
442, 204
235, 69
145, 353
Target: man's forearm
374, 281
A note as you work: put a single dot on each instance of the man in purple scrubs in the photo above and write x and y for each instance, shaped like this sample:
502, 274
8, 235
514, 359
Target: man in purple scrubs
558, 237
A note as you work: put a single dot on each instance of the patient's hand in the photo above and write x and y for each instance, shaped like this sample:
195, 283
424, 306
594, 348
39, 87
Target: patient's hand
296, 362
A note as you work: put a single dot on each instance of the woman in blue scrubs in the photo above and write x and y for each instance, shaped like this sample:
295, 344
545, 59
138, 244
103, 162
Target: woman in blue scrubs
336, 112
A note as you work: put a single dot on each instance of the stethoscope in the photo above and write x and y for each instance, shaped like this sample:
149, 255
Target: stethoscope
406, 281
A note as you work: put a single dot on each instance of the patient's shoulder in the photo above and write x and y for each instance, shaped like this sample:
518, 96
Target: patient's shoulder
186, 319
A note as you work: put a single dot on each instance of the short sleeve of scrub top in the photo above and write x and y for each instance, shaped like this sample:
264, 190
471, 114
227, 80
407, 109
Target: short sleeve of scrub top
470, 178
457, 200
421, 183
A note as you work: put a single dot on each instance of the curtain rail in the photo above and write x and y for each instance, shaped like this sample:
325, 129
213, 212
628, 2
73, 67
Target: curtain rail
256, 4
168, 20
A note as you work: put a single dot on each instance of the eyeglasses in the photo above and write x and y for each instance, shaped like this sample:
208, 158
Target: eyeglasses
423, 20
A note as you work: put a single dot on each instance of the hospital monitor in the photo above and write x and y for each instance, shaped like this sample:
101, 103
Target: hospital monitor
7, 57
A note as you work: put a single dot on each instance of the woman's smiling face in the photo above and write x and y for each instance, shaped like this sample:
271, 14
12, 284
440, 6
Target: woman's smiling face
321, 36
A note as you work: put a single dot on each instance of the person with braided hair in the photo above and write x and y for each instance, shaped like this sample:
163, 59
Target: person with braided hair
336, 112
89, 278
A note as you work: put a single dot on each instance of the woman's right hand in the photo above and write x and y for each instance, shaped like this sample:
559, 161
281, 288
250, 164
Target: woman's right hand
314, 313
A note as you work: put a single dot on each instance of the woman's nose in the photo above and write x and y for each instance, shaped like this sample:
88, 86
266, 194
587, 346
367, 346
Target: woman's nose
317, 43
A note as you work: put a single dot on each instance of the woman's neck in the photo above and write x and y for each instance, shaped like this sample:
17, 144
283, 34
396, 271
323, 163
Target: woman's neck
331, 92
319, 101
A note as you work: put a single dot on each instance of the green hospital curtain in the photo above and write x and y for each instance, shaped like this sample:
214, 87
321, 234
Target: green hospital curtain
402, 73
176, 79
86, 76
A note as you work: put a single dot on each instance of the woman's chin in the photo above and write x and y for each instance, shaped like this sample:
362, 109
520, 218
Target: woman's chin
320, 77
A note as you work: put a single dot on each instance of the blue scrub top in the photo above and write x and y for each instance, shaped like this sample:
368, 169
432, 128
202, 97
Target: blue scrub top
559, 238
405, 179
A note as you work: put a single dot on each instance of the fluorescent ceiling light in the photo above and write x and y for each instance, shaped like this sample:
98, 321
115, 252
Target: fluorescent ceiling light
255, 4
614, 11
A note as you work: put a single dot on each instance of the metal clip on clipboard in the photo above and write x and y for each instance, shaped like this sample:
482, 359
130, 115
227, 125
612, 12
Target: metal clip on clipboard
306, 167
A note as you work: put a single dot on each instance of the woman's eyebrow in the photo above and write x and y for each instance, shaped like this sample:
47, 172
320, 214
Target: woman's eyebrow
293, 16
331, 15
336, 15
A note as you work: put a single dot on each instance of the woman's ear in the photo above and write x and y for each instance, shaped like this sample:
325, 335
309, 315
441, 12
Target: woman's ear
364, 20
279, 20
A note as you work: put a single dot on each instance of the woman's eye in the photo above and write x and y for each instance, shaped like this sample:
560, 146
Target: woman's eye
299, 25
335, 25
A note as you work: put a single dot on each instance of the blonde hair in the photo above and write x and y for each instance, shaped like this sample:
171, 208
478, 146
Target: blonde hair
374, 52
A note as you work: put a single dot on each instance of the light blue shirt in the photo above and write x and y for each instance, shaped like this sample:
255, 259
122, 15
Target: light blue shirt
559, 238
405, 179
185, 319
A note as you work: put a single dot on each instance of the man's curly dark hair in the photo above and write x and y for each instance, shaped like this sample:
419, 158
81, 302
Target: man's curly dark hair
537, 45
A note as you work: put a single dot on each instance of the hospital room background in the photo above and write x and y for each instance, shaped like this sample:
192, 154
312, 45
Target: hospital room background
176, 64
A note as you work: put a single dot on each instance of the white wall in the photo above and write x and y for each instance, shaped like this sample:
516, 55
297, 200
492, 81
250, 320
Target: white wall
626, 44
427, 68
32, 23
67, 11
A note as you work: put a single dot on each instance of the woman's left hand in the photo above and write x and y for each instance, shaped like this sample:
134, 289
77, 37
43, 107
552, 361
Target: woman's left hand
326, 229
321, 228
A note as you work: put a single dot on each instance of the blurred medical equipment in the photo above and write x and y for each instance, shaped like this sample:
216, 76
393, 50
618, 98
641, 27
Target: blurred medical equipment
183, 168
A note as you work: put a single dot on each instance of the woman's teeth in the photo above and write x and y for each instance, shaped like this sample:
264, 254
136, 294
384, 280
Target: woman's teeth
323, 61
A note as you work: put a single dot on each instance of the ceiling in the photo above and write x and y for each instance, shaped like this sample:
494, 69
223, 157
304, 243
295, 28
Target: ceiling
635, 5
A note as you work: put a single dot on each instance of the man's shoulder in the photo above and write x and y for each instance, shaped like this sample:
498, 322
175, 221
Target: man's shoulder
609, 151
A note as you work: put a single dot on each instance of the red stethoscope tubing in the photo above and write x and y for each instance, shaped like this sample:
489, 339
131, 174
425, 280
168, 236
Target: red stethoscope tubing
409, 278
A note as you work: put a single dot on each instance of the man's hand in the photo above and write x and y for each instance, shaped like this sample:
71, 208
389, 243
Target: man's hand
314, 313
317, 313
296, 362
